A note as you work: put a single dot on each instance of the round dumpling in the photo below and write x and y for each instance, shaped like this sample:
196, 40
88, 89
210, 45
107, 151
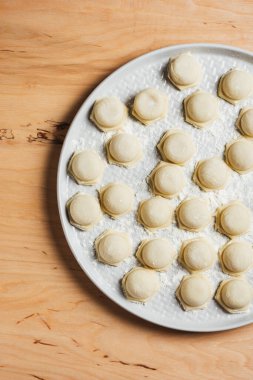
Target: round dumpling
167, 180
211, 174
155, 213
124, 149
112, 247
236, 257
83, 211
235, 85
156, 254
239, 155
194, 292
184, 71
86, 167
193, 214
233, 219
140, 284
109, 113
234, 295
201, 109
150, 105
117, 199
176, 146
245, 121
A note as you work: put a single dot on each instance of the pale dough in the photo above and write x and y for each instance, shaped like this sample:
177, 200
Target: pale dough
124, 149
83, 211
194, 292
156, 254
201, 109
140, 284
112, 247
233, 219
239, 155
150, 105
109, 113
86, 167
176, 146
235, 85
245, 121
197, 254
167, 180
193, 214
211, 174
155, 213
117, 199
184, 71
234, 295
236, 257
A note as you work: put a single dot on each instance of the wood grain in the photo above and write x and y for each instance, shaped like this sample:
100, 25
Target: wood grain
54, 323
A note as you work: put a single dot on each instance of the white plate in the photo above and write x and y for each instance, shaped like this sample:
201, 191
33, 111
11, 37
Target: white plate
148, 71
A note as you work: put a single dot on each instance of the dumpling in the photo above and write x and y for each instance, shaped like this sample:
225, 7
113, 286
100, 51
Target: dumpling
193, 214
155, 213
245, 121
167, 180
86, 167
124, 149
140, 284
236, 257
234, 295
211, 174
109, 113
176, 146
83, 211
235, 85
117, 199
184, 71
150, 105
156, 254
201, 109
239, 155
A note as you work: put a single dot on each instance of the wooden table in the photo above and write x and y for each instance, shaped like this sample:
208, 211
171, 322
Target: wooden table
55, 324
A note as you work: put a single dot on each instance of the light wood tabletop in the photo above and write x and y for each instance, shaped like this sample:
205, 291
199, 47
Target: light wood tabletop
54, 323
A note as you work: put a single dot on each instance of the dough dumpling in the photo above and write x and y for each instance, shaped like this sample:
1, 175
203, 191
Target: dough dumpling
193, 214
86, 167
201, 109
233, 219
150, 105
109, 113
194, 292
124, 149
197, 255
239, 155
234, 295
156, 254
117, 199
245, 121
235, 85
112, 247
211, 174
167, 180
83, 211
236, 257
155, 213
184, 71
176, 146
140, 284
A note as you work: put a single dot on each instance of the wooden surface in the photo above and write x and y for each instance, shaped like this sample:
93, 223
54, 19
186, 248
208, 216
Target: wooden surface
54, 323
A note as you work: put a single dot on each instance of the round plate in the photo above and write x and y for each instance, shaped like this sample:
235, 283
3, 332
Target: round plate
149, 71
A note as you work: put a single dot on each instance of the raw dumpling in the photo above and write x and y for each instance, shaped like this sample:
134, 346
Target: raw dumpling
201, 109
245, 121
86, 167
156, 253
150, 105
112, 247
176, 146
197, 254
123, 149
140, 284
235, 85
167, 180
194, 292
236, 257
234, 295
233, 219
155, 213
117, 199
109, 113
193, 214
83, 211
184, 71
239, 155
211, 174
